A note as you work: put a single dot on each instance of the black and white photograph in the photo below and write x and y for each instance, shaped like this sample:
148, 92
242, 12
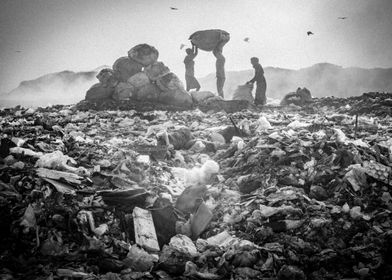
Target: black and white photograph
196, 139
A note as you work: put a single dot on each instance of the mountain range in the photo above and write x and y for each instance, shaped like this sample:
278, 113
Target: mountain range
323, 79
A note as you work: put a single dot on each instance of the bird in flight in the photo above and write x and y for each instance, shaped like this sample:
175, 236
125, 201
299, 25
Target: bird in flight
246, 39
310, 33
173, 8
342, 17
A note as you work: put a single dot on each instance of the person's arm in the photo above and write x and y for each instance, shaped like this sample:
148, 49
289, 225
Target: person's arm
258, 72
254, 78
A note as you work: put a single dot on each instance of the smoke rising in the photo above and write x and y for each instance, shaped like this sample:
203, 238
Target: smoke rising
65, 87
322, 79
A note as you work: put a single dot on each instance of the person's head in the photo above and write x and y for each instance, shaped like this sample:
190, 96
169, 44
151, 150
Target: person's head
254, 61
189, 51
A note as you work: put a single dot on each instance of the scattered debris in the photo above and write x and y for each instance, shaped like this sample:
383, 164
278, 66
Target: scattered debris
292, 193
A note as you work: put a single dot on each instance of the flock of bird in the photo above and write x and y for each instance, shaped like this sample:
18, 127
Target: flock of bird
247, 39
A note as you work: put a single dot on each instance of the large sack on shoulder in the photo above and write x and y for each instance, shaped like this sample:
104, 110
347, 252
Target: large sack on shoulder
244, 92
207, 40
123, 91
201, 96
149, 92
156, 70
99, 92
144, 54
139, 80
124, 68
170, 82
178, 97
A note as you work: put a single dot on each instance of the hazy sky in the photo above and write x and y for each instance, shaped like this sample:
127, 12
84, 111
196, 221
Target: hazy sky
44, 36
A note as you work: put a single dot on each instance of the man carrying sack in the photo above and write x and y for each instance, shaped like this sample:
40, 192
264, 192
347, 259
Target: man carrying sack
261, 84
213, 41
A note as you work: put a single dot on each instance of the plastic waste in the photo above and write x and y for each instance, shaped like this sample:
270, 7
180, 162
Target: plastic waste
340, 136
298, 124
263, 124
58, 161
183, 244
196, 175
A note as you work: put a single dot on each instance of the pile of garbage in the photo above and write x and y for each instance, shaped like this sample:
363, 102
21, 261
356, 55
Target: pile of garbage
372, 103
277, 194
139, 77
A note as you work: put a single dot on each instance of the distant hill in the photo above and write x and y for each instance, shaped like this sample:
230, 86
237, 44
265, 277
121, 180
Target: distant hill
321, 79
64, 87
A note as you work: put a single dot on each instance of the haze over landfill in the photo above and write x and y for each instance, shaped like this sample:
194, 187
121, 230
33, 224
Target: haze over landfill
46, 36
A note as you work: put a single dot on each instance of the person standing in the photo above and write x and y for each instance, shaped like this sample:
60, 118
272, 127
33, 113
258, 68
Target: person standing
261, 84
191, 81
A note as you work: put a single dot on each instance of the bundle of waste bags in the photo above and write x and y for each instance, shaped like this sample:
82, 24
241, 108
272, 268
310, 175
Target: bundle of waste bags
300, 97
140, 77
244, 92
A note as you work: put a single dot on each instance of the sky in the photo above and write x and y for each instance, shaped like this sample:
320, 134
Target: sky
45, 36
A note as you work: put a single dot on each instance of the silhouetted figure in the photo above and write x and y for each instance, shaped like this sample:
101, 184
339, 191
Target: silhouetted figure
191, 82
261, 85
220, 68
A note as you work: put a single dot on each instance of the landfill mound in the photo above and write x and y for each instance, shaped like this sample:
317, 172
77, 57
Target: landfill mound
374, 103
283, 193
125, 105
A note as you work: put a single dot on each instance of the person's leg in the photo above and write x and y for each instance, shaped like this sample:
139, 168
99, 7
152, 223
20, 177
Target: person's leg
188, 83
197, 85
260, 98
263, 90
220, 82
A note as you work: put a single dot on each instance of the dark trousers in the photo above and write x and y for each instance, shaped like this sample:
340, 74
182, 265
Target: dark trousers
261, 87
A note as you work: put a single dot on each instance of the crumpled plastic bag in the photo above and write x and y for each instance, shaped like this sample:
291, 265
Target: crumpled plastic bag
58, 161
356, 176
298, 124
263, 124
196, 175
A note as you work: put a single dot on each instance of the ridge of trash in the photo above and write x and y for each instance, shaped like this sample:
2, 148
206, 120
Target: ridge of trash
283, 192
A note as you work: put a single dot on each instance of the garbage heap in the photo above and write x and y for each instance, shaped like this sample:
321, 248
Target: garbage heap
139, 78
281, 194
371, 103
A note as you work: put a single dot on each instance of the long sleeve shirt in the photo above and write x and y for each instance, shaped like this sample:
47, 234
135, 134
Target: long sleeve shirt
259, 73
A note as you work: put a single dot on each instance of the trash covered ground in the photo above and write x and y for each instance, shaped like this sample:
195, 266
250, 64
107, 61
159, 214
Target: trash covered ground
286, 193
